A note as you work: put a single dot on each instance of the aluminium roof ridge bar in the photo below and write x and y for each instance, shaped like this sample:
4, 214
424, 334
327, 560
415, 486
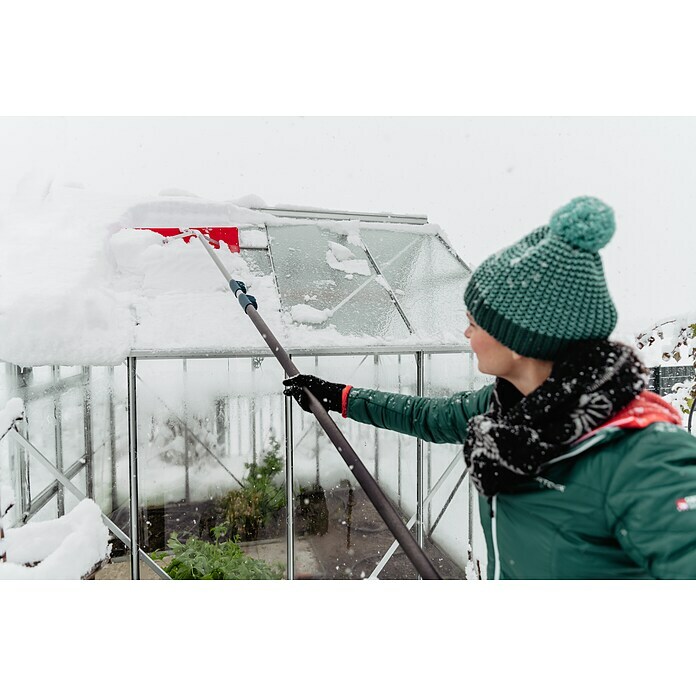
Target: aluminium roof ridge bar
453, 251
319, 214
147, 354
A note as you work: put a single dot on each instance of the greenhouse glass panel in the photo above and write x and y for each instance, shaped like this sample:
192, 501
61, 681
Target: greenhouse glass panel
211, 459
354, 542
337, 526
31, 376
427, 280
56, 422
40, 429
451, 515
326, 280
258, 261
109, 436
71, 407
45, 504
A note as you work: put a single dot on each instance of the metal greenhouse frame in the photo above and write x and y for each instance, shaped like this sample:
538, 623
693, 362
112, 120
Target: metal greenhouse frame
64, 472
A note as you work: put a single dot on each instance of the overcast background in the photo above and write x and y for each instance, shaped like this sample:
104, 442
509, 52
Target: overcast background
485, 181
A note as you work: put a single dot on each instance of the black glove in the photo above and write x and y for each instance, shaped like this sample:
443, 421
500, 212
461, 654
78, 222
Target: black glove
330, 394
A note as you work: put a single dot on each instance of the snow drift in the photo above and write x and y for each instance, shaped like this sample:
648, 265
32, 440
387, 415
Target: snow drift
63, 549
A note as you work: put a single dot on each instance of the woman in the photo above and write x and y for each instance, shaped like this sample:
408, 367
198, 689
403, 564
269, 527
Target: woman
581, 472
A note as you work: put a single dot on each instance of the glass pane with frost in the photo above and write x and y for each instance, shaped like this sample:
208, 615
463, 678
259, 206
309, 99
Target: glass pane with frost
211, 462
334, 518
426, 278
258, 261
451, 513
325, 280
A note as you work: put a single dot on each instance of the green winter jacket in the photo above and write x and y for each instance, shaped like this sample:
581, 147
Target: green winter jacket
619, 505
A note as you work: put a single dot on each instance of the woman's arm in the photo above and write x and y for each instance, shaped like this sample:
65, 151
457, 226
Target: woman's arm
435, 420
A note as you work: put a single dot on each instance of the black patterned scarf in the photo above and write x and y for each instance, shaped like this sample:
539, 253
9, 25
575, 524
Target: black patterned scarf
509, 445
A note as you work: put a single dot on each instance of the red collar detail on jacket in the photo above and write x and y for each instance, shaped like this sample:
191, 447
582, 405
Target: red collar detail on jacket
645, 409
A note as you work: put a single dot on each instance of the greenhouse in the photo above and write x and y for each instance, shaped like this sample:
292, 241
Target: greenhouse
159, 400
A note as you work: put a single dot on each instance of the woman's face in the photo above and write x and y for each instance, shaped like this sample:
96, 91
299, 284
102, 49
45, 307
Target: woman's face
493, 357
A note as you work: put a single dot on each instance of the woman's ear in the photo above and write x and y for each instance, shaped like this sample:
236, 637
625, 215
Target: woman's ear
516, 356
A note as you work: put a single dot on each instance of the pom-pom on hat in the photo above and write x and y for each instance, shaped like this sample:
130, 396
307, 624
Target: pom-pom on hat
548, 291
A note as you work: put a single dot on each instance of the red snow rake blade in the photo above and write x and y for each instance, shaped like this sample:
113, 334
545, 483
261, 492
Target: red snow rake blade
215, 235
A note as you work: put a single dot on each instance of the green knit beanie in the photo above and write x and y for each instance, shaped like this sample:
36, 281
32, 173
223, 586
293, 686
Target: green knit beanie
547, 291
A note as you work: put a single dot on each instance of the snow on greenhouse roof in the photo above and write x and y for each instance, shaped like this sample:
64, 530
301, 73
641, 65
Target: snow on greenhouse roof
82, 283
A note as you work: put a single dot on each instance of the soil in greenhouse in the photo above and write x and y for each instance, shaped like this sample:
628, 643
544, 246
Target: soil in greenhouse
342, 536
357, 539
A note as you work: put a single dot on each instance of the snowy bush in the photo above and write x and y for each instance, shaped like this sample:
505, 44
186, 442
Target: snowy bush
673, 342
682, 396
669, 342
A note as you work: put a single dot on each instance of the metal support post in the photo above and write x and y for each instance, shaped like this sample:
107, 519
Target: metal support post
252, 410
376, 381
316, 427
238, 421
289, 487
24, 479
398, 441
187, 489
24, 473
420, 389
19, 462
471, 517
133, 470
428, 526
112, 439
221, 418
228, 411
58, 431
87, 417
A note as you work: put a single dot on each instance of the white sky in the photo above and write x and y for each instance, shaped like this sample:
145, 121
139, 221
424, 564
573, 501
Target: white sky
486, 181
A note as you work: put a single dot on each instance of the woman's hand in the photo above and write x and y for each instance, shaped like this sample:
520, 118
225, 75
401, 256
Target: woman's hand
329, 394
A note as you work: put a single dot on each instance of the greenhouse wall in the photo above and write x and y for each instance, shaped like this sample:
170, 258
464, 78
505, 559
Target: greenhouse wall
202, 421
